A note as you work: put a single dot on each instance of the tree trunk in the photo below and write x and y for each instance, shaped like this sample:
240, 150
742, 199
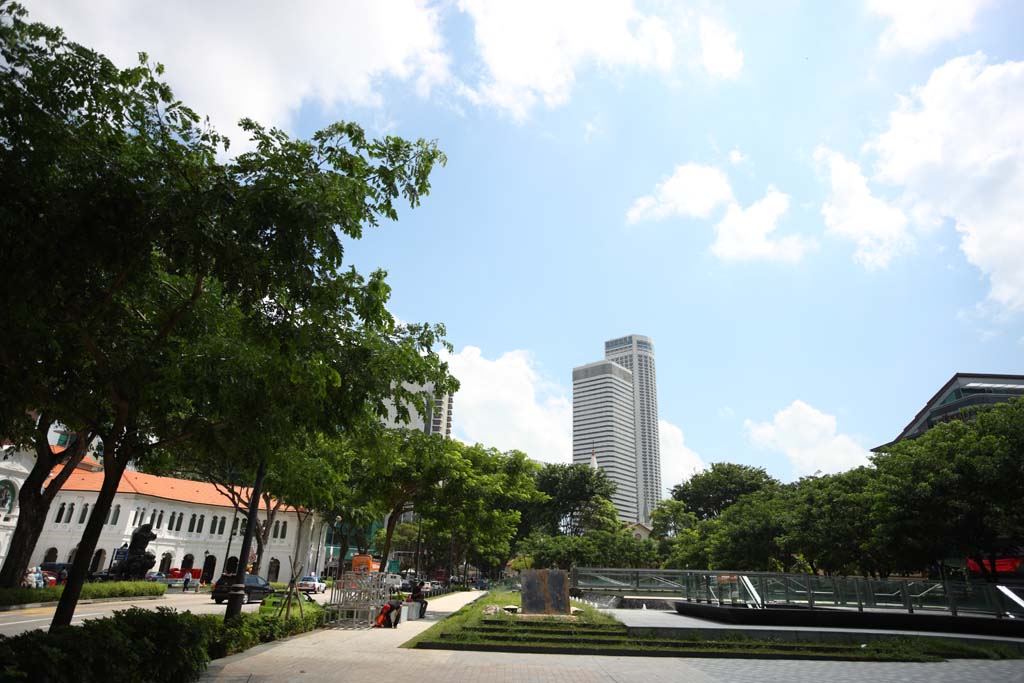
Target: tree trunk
235, 599
31, 519
34, 501
260, 545
112, 471
392, 522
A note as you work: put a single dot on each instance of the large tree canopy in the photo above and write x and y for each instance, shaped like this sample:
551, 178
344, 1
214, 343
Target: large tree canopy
708, 493
160, 297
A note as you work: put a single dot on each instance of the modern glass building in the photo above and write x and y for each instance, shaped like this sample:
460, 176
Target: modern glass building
602, 428
958, 399
636, 353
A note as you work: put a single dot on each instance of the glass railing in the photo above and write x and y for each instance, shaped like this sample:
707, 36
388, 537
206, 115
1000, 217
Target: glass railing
764, 589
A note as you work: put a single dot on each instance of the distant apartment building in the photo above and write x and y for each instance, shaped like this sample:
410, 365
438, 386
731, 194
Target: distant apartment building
433, 418
636, 353
603, 428
958, 399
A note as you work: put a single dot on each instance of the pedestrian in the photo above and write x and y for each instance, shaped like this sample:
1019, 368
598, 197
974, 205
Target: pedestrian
62, 577
417, 596
39, 577
187, 576
28, 580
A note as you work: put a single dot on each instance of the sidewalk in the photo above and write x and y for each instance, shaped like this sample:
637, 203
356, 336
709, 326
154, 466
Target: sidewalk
374, 654
325, 653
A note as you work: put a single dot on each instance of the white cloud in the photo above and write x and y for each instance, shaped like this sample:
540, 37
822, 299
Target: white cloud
808, 438
745, 234
956, 147
505, 403
878, 229
678, 462
233, 59
916, 25
726, 411
718, 50
590, 129
693, 191
532, 49
737, 157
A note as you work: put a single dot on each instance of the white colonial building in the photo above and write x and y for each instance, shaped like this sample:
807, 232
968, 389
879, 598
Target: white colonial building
195, 524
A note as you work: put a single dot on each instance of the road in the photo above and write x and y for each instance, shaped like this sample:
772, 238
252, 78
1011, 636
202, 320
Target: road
17, 621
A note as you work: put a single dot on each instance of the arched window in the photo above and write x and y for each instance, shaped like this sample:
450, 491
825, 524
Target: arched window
220, 527
98, 560
106, 518
8, 496
165, 562
51, 555
181, 518
71, 555
159, 521
135, 517
56, 520
83, 514
117, 513
71, 514
284, 529
188, 561
199, 527
152, 518
277, 527
275, 569
245, 524
170, 522
192, 523
231, 565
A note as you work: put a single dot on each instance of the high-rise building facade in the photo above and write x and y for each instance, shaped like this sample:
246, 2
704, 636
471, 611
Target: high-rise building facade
636, 353
602, 428
436, 420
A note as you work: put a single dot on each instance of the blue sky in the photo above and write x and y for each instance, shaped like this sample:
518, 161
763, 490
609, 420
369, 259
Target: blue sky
812, 208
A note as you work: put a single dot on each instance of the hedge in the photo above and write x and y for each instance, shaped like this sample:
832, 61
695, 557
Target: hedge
138, 645
90, 591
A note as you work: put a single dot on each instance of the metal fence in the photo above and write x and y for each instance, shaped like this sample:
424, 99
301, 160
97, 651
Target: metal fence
766, 589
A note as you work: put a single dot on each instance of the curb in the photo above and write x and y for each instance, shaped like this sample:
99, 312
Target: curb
90, 601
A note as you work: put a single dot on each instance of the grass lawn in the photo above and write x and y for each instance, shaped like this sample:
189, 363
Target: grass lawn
594, 632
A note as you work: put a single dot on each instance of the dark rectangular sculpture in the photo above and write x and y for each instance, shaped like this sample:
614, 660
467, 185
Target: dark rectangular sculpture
545, 591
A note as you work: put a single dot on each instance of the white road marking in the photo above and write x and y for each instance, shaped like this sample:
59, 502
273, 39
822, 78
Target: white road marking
50, 618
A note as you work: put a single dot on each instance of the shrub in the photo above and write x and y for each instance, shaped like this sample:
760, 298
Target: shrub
140, 645
90, 591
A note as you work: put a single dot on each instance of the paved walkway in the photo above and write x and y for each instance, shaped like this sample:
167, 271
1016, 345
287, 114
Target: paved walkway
373, 654
662, 619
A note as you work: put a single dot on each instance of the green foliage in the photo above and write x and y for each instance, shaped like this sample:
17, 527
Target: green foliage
707, 494
141, 645
568, 494
90, 591
747, 535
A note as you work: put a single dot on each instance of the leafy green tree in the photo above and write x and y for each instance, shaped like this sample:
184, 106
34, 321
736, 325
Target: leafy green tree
829, 523
569, 492
748, 534
207, 302
708, 493
670, 520
954, 491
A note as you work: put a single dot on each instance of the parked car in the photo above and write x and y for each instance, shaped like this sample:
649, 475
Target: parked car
55, 567
481, 584
155, 576
406, 586
256, 588
311, 584
427, 586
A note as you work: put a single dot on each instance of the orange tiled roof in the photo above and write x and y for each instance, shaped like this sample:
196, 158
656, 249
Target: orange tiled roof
168, 488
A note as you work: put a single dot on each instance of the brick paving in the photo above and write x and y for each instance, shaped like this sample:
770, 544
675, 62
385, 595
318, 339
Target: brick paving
374, 654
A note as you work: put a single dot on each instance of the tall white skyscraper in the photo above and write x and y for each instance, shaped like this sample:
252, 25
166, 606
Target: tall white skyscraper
602, 428
636, 354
